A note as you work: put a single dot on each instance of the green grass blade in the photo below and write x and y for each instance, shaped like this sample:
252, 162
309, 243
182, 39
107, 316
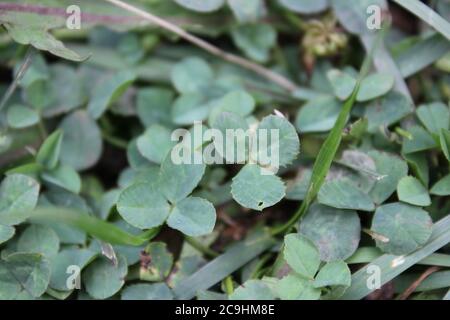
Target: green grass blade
332, 142
97, 228
391, 266
222, 266
368, 254
436, 280
427, 15
422, 54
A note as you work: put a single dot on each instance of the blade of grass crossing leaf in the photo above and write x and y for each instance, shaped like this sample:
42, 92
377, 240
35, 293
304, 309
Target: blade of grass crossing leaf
428, 16
95, 227
422, 54
368, 254
222, 266
391, 266
331, 145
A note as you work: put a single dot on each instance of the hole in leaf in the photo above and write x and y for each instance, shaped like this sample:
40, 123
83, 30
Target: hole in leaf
260, 204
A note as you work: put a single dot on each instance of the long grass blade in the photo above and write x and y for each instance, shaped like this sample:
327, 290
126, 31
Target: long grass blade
97, 228
427, 15
332, 142
391, 266
222, 266
368, 254
422, 54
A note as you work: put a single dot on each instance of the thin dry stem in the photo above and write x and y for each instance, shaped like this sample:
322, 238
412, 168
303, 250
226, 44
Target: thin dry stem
416, 283
260, 70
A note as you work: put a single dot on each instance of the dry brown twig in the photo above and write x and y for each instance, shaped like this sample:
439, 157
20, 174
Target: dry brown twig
247, 64
416, 283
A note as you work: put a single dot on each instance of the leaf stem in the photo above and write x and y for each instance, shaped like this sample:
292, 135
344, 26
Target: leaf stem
259, 266
117, 142
23, 68
247, 64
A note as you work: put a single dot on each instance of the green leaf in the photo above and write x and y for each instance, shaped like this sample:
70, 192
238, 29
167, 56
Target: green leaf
231, 147
391, 266
343, 84
6, 233
189, 108
39, 239
143, 206
191, 75
374, 86
392, 168
388, 110
247, 10
442, 187
237, 102
323, 223
411, 191
141, 291
109, 91
253, 189
81, 137
155, 143
134, 157
18, 193
65, 177
301, 254
42, 40
421, 141
193, 216
305, 6
294, 287
19, 116
318, 115
160, 265
201, 5
334, 273
404, 228
252, 290
67, 97
299, 187
342, 194
23, 273
103, 279
153, 105
418, 163
50, 150
177, 181
434, 116
285, 148
61, 263
255, 40
444, 139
